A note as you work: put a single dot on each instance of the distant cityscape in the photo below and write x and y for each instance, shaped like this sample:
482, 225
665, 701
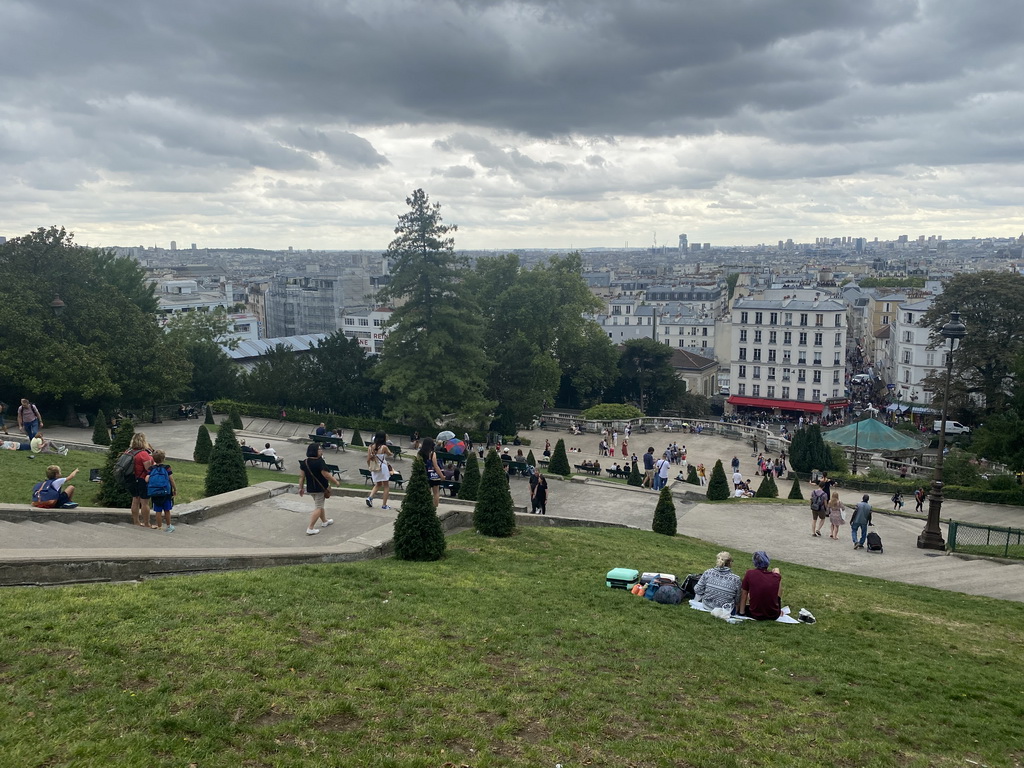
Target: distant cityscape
798, 327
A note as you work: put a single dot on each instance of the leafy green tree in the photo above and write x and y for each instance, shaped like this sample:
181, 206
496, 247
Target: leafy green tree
102, 329
983, 365
665, 514
418, 532
204, 446
611, 412
209, 416
100, 430
339, 376
808, 451
200, 336
559, 464
767, 489
1001, 438
692, 477
470, 478
112, 493
588, 362
494, 513
646, 376
226, 470
794, 491
278, 377
433, 365
718, 486
636, 478
730, 282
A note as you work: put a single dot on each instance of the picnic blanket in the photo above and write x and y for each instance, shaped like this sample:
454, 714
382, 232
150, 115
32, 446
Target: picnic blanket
785, 618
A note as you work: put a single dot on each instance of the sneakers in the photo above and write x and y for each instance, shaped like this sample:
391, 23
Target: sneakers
63, 451
369, 501
70, 505
312, 531
385, 506
170, 529
325, 523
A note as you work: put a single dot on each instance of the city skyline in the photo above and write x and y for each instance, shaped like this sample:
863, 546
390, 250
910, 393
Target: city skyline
553, 125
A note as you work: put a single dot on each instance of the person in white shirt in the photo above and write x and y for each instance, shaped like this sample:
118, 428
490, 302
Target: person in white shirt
268, 451
737, 479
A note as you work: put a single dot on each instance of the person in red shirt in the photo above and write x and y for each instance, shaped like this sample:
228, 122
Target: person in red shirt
140, 494
761, 590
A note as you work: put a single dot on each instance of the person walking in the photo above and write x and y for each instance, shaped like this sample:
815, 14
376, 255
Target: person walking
919, 500
859, 521
835, 515
435, 475
539, 494
649, 468
380, 469
702, 474
316, 480
29, 419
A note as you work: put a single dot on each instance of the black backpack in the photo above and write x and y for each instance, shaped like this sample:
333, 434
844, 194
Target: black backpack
689, 586
124, 469
874, 542
669, 594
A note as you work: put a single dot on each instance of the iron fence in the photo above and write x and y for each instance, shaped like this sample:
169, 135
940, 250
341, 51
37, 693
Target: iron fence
991, 540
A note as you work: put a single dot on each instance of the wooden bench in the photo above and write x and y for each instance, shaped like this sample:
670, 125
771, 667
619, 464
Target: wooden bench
396, 477
520, 468
451, 487
588, 470
334, 470
454, 458
260, 458
623, 473
331, 440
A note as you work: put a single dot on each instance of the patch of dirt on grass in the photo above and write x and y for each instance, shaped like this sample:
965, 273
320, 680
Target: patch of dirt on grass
307, 639
533, 732
272, 717
344, 721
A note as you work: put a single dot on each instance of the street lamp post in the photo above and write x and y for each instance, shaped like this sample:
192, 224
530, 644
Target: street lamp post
931, 536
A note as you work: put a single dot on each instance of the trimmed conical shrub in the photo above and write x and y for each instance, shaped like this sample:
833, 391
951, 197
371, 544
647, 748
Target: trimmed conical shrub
418, 532
112, 493
209, 416
530, 459
665, 514
204, 446
767, 489
470, 478
718, 486
234, 420
100, 431
691, 476
493, 515
636, 478
559, 461
357, 439
226, 470
794, 491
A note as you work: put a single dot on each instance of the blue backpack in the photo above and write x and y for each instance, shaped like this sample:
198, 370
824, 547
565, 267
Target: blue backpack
45, 495
159, 483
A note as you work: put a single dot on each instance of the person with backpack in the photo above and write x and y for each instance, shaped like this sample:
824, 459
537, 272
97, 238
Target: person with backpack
29, 419
819, 500
54, 492
859, 521
162, 490
135, 483
919, 500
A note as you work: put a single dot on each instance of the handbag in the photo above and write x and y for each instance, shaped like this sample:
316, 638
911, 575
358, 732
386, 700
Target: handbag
327, 492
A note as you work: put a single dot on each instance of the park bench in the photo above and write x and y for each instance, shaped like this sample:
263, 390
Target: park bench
451, 487
336, 442
520, 468
443, 457
335, 470
396, 477
260, 458
623, 473
588, 470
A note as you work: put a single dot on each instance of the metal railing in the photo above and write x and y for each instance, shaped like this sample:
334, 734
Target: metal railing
992, 540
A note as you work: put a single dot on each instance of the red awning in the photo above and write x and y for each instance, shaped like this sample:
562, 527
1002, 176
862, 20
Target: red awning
785, 405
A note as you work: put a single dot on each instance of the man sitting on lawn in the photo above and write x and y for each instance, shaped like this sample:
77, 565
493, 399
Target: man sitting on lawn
54, 491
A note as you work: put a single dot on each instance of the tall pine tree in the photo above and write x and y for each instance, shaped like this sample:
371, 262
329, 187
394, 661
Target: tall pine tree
665, 514
112, 493
226, 470
432, 364
418, 532
470, 478
494, 513
559, 464
718, 487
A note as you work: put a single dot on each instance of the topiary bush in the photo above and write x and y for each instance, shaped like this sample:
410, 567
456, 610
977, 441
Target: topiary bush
559, 464
719, 488
493, 514
209, 415
204, 446
234, 420
636, 478
794, 491
112, 493
226, 470
470, 478
100, 431
767, 489
665, 514
418, 532
691, 476
530, 459
357, 439
612, 412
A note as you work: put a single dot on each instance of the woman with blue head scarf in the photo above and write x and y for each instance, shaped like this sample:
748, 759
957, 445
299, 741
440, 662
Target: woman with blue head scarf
761, 590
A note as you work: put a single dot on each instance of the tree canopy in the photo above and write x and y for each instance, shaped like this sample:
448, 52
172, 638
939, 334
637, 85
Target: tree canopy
433, 366
646, 377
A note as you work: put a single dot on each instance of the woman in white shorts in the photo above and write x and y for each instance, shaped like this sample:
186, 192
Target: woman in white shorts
377, 458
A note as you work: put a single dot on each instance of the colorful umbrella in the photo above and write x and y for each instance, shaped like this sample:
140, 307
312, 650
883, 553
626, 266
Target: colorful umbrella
446, 435
455, 446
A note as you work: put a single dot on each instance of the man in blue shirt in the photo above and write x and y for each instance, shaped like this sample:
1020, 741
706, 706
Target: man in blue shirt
649, 468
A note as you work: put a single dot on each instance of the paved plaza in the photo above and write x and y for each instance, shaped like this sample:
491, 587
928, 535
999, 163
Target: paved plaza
270, 529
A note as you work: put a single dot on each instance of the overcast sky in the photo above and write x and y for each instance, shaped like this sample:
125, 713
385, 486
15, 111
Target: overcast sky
558, 123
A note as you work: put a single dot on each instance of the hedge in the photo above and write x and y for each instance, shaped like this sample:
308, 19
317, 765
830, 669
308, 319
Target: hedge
304, 416
907, 487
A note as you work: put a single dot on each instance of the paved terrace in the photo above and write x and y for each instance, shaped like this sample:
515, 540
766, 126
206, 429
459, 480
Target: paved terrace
265, 525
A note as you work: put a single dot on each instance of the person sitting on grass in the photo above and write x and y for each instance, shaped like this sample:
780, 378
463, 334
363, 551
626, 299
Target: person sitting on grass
54, 490
719, 587
761, 590
40, 444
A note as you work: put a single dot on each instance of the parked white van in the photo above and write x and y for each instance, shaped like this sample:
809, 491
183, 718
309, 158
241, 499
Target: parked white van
952, 427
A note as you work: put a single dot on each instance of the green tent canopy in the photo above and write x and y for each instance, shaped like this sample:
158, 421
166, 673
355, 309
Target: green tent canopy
872, 435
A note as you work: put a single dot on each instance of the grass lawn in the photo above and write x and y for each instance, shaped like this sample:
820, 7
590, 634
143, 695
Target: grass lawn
19, 472
507, 653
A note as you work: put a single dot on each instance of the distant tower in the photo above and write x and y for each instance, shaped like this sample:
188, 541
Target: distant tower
683, 247
174, 245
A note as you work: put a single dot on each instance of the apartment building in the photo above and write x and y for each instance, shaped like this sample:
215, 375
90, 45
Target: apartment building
788, 355
369, 327
909, 360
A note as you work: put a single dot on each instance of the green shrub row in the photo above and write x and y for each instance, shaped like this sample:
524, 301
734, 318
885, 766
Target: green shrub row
907, 487
303, 416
